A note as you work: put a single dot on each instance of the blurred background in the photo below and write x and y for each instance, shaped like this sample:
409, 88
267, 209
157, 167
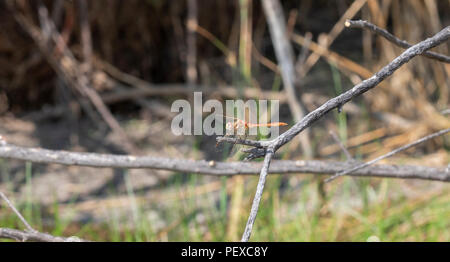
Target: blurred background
100, 76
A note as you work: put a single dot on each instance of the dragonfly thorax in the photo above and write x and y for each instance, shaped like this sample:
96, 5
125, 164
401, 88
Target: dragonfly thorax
236, 127
229, 126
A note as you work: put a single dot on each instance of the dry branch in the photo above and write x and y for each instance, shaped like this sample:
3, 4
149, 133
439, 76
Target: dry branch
341, 145
14, 209
400, 149
331, 56
334, 103
26, 236
393, 39
257, 199
39, 155
30, 234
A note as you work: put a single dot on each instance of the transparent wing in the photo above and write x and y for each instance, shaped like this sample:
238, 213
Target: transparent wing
237, 147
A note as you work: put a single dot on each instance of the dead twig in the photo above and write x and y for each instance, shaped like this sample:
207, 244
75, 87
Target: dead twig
30, 234
13, 208
400, 149
257, 199
301, 59
331, 56
341, 145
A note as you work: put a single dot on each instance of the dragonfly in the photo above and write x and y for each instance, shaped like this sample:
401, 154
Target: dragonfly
239, 129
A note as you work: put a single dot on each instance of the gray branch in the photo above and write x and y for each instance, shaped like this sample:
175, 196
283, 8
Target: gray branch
258, 195
393, 152
14, 209
393, 39
334, 103
28, 236
341, 145
39, 155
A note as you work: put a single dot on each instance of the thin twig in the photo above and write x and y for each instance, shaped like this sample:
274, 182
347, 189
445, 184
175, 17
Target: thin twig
13, 208
264, 60
331, 56
303, 54
144, 88
257, 199
393, 152
333, 34
393, 39
341, 145
30, 234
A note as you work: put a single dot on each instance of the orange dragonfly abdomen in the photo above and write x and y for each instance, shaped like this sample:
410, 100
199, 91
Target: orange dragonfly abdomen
267, 124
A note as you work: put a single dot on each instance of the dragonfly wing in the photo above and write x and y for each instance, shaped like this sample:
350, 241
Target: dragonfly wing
244, 134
